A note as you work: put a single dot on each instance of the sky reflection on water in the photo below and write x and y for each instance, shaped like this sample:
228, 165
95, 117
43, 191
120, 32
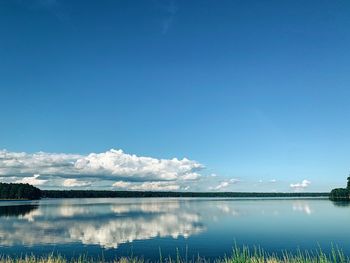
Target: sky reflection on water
209, 227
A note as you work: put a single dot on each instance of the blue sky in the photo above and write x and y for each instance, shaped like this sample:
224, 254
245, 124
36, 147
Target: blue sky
255, 92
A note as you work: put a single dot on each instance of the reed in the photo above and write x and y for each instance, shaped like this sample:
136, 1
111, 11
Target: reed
239, 255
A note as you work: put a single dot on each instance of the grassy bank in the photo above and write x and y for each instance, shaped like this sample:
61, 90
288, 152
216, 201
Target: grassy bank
239, 255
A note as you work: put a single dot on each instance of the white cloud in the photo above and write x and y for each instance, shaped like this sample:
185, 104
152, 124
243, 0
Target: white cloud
148, 186
156, 186
31, 180
273, 181
71, 170
224, 184
121, 184
117, 163
300, 186
75, 183
221, 185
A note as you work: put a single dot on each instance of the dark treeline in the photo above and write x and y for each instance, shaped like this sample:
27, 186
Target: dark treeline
19, 191
26, 191
125, 194
341, 194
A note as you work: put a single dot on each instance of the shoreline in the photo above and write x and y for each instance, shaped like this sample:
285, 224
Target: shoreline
239, 255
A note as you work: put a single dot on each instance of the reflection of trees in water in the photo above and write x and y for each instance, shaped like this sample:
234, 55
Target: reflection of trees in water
16, 210
341, 203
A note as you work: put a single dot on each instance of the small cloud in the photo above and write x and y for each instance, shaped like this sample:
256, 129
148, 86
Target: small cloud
224, 184
213, 175
156, 186
121, 184
32, 180
273, 181
147, 186
234, 181
75, 183
300, 186
260, 181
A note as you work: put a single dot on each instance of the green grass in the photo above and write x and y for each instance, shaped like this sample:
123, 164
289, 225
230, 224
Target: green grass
239, 255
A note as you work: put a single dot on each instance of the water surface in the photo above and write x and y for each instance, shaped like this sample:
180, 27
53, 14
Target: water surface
143, 227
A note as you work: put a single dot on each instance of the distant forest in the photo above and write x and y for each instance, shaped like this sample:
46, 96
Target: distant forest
26, 191
19, 191
140, 194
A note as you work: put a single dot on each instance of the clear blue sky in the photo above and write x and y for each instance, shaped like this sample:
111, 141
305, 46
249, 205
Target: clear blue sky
254, 90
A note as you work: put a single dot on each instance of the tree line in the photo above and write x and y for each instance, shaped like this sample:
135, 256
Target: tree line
141, 194
341, 194
26, 191
19, 191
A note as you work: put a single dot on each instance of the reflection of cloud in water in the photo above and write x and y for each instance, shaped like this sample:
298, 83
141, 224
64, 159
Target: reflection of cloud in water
302, 206
107, 225
226, 208
71, 211
151, 206
31, 215
122, 230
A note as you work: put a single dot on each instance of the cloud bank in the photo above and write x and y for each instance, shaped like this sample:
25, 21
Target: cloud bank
113, 167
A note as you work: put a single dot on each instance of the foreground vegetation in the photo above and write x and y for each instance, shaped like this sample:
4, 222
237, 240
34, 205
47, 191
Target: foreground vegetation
239, 255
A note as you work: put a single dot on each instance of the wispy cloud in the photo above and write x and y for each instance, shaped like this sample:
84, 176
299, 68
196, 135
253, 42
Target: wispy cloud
224, 184
148, 186
170, 9
75, 183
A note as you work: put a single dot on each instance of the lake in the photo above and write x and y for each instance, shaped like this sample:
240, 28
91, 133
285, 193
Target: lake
143, 227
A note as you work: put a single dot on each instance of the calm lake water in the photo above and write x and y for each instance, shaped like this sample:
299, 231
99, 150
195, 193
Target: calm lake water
142, 227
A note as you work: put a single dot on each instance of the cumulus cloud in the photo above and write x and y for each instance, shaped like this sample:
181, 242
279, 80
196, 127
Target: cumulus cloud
300, 186
113, 166
31, 180
117, 163
224, 184
75, 183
